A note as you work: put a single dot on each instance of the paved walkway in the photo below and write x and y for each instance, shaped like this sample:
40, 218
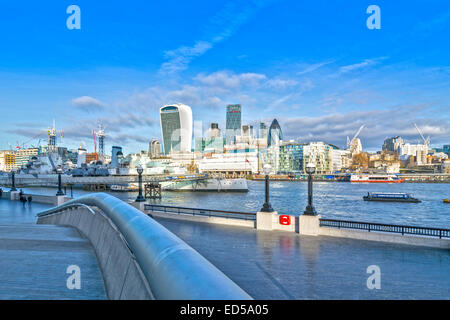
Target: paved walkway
34, 258
280, 265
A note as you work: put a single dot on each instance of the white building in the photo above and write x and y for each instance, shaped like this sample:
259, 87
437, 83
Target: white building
176, 128
340, 159
320, 154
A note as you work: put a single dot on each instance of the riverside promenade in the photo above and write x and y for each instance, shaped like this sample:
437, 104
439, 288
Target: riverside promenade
284, 265
266, 264
34, 258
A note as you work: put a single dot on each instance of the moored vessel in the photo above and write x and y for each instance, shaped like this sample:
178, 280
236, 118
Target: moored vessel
375, 178
212, 185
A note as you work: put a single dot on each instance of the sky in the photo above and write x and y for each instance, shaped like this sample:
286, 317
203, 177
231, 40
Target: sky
315, 66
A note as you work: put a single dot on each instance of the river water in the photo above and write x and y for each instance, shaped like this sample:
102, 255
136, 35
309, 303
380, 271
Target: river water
340, 200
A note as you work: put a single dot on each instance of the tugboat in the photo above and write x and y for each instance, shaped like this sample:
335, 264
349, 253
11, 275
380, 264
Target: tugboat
390, 197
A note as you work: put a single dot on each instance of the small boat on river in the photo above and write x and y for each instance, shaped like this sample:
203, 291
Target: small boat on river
390, 197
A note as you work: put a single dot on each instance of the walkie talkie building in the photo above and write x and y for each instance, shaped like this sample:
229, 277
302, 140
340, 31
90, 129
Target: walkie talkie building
176, 128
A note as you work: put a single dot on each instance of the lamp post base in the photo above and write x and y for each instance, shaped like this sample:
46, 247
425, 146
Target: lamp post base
140, 199
310, 211
60, 193
267, 208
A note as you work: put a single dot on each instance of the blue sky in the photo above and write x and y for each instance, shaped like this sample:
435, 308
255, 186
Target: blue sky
313, 65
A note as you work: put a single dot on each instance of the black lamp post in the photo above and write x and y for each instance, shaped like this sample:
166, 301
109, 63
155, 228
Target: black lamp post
310, 169
267, 207
13, 180
60, 192
140, 198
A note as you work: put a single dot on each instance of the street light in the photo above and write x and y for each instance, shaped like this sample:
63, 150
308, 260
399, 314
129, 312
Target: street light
13, 180
60, 192
267, 207
310, 169
140, 198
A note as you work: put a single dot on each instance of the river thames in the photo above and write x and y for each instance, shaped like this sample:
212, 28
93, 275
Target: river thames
340, 200
282, 265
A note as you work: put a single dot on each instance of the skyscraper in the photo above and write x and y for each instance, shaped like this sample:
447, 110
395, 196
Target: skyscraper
154, 148
275, 134
233, 125
214, 131
176, 128
262, 130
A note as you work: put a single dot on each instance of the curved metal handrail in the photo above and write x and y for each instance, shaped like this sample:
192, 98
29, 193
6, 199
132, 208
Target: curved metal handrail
172, 268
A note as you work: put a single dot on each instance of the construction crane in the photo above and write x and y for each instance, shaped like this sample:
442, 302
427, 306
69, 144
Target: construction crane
22, 146
95, 145
349, 142
426, 141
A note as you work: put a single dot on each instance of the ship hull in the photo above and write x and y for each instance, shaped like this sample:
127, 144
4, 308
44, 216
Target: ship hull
375, 179
378, 181
208, 185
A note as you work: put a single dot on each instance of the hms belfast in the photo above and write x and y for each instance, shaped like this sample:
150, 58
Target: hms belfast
42, 170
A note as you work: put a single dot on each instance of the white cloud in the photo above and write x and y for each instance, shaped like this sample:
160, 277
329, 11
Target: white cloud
360, 65
88, 103
221, 27
226, 79
379, 125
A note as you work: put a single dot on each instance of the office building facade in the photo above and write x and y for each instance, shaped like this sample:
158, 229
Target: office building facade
176, 128
233, 122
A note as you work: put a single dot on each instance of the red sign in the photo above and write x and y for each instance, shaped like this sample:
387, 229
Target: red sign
285, 220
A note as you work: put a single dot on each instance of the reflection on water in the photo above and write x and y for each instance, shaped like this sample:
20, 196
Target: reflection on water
339, 200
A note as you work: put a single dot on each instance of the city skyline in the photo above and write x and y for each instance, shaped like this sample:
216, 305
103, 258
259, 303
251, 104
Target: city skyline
119, 70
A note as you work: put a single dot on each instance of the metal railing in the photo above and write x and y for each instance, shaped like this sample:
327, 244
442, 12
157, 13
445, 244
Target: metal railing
392, 228
173, 269
201, 212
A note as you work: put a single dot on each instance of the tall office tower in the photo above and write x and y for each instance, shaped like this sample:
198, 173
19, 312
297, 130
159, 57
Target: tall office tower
246, 135
154, 148
393, 144
263, 131
275, 134
233, 126
214, 131
176, 128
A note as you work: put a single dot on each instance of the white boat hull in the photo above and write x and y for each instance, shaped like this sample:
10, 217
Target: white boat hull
213, 185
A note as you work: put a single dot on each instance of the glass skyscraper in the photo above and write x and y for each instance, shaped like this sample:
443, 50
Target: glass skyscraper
176, 128
233, 125
275, 135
